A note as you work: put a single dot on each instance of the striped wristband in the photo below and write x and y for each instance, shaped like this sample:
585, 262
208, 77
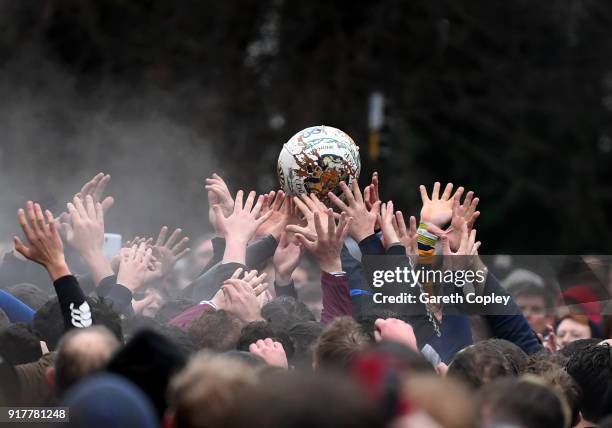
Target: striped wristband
425, 239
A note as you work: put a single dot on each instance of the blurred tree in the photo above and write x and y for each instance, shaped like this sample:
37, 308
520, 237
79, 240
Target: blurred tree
511, 99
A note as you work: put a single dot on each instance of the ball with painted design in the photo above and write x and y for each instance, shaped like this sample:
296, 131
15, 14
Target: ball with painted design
316, 160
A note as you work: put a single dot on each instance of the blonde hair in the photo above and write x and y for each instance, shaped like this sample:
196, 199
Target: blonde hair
202, 394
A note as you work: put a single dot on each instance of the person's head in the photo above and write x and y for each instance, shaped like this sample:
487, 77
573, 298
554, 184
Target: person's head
172, 308
49, 322
515, 355
217, 331
576, 346
149, 360
339, 343
535, 303
368, 319
304, 335
592, 370
248, 358
203, 393
380, 369
29, 294
180, 338
20, 344
446, 402
254, 331
283, 312
523, 402
572, 327
80, 352
545, 367
108, 400
303, 400
480, 364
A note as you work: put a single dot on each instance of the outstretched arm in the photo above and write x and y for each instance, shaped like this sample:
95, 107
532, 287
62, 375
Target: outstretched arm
46, 248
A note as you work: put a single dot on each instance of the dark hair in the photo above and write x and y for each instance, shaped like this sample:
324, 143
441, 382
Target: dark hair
218, 331
515, 355
135, 324
246, 357
4, 320
368, 319
149, 360
547, 367
284, 311
304, 336
49, 322
254, 331
577, 346
523, 402
20, 344
172, 308
29, 294
479, 364
592, 370
103, 314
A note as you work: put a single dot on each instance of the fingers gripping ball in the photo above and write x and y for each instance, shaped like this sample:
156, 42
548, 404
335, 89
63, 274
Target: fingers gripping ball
316, 160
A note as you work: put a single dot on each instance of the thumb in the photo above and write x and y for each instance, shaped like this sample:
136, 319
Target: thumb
432, 228
22, 249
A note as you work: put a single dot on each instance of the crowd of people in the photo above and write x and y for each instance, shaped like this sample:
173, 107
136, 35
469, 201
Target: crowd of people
271, 321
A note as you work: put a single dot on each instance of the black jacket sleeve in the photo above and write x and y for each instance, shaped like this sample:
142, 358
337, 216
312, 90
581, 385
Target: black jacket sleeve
74, 307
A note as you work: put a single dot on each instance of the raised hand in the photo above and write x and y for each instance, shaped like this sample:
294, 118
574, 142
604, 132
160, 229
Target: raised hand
218, 194
257, 282
438, 210
85, 233
386, 219
364, 219
307, 206
134, 265
281, 208
45, 245
286, 259
462, 214
407, 236
168, 252
467, 245
271, 352
394, 330
327, 244
95, 188
371, 194
239, 299
244, 220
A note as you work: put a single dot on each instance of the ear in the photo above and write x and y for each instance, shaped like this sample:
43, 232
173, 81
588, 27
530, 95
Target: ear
168, 421
50, 377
